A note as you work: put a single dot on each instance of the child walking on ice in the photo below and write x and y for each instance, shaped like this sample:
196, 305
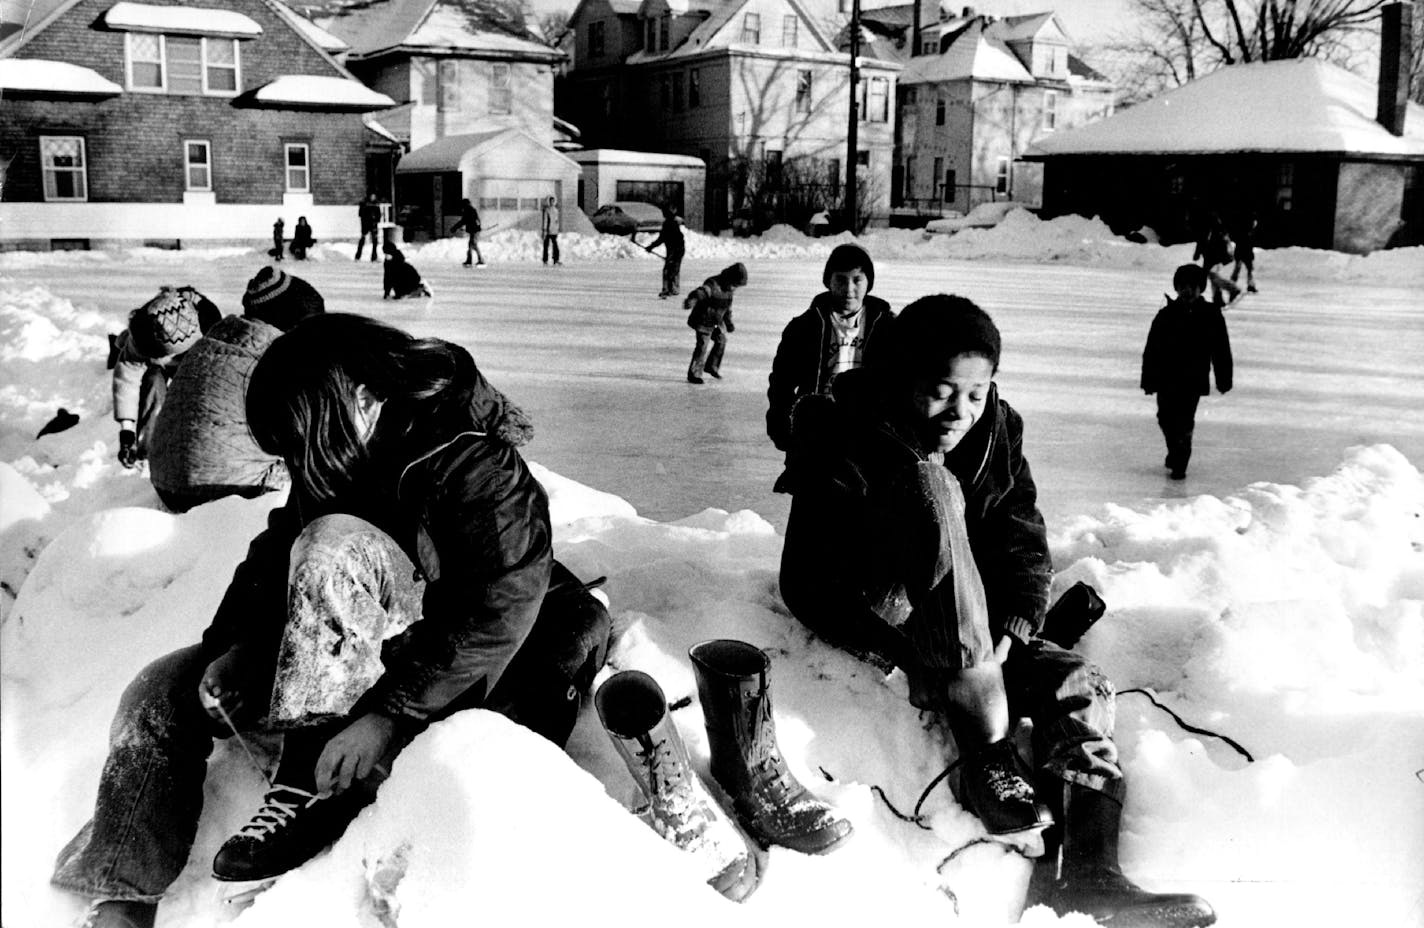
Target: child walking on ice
1187, 341
711, 319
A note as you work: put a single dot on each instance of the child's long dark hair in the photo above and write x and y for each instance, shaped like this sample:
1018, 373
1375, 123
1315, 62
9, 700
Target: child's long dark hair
302, 396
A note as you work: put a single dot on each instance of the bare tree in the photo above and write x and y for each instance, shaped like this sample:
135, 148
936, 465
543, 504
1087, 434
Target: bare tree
554, 28
1179, 40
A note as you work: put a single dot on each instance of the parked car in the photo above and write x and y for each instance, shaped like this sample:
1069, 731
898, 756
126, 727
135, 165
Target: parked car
983, 216
627, 217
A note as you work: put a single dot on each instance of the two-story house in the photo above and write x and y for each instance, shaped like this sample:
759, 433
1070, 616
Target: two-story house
171, 123
752, 87
977, 94
477, 110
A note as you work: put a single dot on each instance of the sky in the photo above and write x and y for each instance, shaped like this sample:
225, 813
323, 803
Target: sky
1277, 596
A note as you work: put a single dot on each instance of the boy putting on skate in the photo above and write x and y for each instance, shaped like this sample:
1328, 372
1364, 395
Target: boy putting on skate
919, 541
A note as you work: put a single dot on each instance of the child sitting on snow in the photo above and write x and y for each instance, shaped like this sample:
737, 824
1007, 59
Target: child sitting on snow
918, 539
146, 354
401, 278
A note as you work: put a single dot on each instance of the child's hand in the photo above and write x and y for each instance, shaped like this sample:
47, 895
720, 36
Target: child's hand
730, 327
353, 753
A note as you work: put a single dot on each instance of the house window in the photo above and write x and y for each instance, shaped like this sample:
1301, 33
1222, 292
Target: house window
1050, 110
595, 40
694, 88
664, 27
298, 167
751, 28
198, 164
182, 64
910, 177
65, 176
677, 92
862, 158
650, 34
1285, 187
501, 95
803, 91
788, 31
833, 171
1001, 178
875, 100
950, 187
934, 178
939, 111
909, 95
427, 81
449, 86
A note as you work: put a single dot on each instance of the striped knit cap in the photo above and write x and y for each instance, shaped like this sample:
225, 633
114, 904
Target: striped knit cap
168, 324
268, 284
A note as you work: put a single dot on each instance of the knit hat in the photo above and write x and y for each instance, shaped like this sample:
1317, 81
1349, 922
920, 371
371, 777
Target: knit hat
277, 298
734, 275
171, 322
849, 257
934, 329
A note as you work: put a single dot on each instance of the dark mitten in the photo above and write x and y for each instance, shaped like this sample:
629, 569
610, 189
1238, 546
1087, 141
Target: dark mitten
128, 448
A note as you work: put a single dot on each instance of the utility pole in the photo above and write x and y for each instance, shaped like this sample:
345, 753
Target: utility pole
853, 130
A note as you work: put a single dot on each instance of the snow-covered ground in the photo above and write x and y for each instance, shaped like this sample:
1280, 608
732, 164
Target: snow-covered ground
1277, 597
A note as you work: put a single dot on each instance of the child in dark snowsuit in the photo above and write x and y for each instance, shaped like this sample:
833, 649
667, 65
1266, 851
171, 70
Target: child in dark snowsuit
671, 238
302, 239
1187, 341
401, 277
921, 542
711, 318
146, 355
470, 221
1246, 253
1215, 249
840, 330
277, 239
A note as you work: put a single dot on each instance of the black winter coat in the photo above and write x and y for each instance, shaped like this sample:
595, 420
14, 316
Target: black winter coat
862, 452
711, 306
457, 496
799, 368
1186, 343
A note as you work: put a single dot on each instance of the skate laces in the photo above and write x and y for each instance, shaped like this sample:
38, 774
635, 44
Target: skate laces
275, 814
1007, 784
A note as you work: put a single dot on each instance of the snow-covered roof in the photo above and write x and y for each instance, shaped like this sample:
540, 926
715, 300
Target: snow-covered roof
320, 90
379, 129
314, 33
429, 25
972, 55
1304, 105
191, 20
509, 146
445, 154
37, 75
1024, 28
620, 156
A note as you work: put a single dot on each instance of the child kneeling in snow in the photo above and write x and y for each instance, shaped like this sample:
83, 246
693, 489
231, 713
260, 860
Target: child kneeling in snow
914, 476
146, 356
409, 576
401, 277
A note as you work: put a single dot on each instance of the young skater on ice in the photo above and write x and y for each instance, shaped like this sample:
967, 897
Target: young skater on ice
146, 355
1188, 341
711, 319
674, 246
918, 540
843, 326
408, 576
401, 279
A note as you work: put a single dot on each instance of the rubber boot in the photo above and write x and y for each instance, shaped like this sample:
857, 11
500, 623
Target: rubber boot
770, 802
1090, 881
634, 712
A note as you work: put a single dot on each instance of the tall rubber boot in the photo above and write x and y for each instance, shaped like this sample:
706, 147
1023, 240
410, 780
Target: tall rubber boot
1090, 880
770, 802
634, 712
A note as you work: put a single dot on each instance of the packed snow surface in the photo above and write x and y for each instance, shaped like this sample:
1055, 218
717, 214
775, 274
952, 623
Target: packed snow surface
1285, 614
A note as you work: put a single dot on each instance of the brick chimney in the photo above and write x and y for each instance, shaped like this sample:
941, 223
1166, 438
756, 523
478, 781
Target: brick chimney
1394, 66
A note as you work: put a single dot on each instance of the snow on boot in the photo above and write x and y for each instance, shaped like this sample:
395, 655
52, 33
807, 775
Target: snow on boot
1090, 881
995, 787
634, 712
291, 827
770, 802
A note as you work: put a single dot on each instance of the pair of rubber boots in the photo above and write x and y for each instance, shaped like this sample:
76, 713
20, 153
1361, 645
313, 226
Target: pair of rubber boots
770, 803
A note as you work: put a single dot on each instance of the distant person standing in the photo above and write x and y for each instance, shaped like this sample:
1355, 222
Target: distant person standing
674, 246
1187, 342
470, 222
550, 225
1214, 249
302, 240
369, 212
711, 319
278, 239
1246, 252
